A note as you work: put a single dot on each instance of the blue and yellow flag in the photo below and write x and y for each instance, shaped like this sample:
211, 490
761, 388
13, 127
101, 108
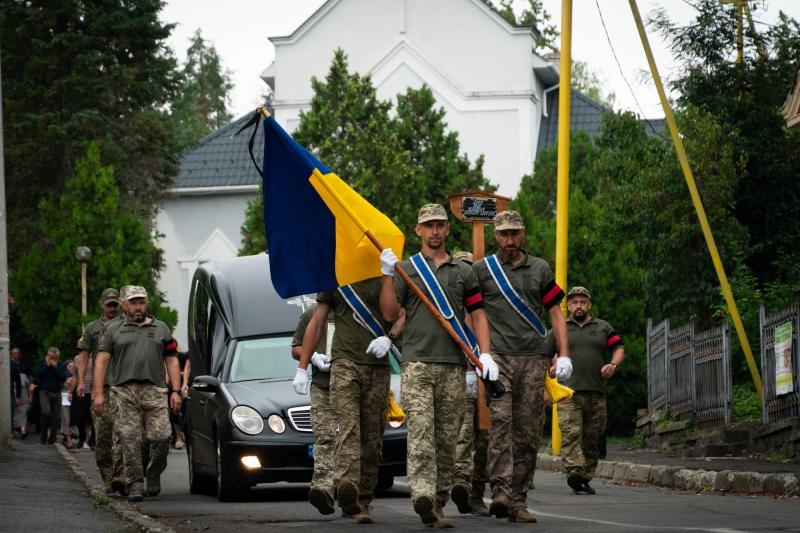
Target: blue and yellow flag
315, 223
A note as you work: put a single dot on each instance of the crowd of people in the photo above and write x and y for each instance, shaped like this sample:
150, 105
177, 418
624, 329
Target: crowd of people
121, 396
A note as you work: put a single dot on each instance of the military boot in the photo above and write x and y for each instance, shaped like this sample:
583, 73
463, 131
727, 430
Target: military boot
136, 492
423, 506
478, 507
522, 516
499, 506
442, 522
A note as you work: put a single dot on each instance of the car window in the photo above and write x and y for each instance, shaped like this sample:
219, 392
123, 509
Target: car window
268, 358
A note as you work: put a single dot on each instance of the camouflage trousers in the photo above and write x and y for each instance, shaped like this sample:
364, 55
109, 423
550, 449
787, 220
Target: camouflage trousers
471, 449
359, 397
323, 420
516, 426
142, 421
108, 452
433, 399
582, 419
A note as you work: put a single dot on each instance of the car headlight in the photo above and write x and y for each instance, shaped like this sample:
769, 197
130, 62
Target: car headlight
247, 419
276, 423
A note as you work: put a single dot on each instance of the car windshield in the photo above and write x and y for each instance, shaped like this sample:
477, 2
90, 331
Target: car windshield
269, 358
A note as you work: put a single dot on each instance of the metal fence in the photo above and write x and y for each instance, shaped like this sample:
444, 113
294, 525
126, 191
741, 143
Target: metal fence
689, 372
786, 405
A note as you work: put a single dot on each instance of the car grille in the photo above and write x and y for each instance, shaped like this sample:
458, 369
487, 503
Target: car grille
300, 417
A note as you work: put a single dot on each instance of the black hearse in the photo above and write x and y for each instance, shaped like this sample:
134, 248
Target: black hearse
244, 423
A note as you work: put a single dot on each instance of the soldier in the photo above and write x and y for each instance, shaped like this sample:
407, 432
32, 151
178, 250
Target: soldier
582, 418
516, 286
323, 417
434, 374
133, 353
359, 387
103, 425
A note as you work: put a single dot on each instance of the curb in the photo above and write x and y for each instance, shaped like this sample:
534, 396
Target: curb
698, 480
122, 508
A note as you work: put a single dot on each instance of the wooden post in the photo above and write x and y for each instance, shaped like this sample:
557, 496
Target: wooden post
477, 208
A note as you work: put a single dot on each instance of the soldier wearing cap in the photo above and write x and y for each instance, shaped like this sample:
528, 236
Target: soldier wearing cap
434, 373
522, 355
87, 350
132, 354
582, 418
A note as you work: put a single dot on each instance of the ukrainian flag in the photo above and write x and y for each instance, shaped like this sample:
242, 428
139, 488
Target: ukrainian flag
318, 228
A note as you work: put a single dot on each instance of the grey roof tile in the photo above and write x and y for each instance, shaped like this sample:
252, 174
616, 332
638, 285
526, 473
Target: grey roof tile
585, 114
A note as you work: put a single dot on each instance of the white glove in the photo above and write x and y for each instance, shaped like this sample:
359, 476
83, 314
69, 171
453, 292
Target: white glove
563, 367
321, 361
490, 369
388, 260
300, 382
472, 384
380, 346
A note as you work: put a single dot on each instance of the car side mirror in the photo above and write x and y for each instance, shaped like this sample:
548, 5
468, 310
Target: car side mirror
205, 384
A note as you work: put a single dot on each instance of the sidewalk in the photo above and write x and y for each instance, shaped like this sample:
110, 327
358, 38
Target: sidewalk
740, 475
44, 489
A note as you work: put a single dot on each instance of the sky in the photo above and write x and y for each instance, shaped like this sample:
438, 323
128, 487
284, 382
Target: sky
239, 30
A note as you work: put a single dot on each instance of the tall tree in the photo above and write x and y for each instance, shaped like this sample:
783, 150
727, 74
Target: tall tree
534, 15
91, 212
79, 72
201, 105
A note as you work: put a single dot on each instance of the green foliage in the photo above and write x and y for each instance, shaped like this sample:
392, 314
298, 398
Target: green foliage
91, 212
254, 240
81, 72
586, 81
200, 107
533, 15
397, 164
746, 403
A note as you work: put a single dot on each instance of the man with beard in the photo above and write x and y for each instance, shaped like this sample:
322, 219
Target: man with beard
434, 373
582, 418
133, 352
516, 287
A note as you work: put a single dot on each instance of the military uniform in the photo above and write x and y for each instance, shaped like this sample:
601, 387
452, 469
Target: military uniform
323, 417
522, 355
139, 390
582, 418
359, 392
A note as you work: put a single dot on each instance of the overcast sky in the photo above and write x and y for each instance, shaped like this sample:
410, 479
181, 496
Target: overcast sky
239, 29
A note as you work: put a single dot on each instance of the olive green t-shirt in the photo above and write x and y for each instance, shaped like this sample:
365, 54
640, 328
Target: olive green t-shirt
350, 338
318, 377
89, 341
137, 352
533, 280
588, 346
424, 339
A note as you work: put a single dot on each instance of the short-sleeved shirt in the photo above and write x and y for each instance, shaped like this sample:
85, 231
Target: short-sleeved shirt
318, 377
89, 341
137, 352
588, 346
533, 280
424, 339
350, 338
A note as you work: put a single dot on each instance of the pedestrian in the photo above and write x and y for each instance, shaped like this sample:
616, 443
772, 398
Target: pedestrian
51, 375
133, 352
102, 425
176, 419
20, 421
517, 287
433, 375
16, 389
323, 417
582, 418
67, 428
359, 387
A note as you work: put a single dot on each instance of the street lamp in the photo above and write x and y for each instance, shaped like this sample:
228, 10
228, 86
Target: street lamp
83, 254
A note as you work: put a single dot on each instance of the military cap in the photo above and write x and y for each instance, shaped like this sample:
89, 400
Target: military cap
431, 212
508, 220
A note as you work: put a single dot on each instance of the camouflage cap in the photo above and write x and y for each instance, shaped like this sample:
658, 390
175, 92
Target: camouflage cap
508, 220
431, 212
109, 295
123, 292
135, 291
578, 291
463, 255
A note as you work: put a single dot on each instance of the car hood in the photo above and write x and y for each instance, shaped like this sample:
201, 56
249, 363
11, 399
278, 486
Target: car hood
267, 396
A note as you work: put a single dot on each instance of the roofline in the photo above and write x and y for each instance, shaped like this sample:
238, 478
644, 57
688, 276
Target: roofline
205, 191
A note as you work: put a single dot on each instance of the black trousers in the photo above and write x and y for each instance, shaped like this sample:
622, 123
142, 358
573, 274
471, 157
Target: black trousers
51, 414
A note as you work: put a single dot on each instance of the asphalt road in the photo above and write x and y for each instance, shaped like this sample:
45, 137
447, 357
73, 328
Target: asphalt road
615, 508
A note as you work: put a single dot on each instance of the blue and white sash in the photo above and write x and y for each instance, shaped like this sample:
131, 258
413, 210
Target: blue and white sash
435, 290
517, 302
364, 316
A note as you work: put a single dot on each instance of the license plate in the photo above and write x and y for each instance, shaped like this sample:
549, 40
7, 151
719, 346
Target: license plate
310, 451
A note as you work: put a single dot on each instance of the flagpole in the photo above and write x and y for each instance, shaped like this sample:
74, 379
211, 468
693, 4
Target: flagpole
495, 387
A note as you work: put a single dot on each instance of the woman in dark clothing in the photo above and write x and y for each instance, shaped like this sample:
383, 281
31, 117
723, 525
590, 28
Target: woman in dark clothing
51, 374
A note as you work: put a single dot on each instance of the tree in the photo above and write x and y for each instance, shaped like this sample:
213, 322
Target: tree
81, 72
200, 107
533, 15
90, 212
254, 240
586, 81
